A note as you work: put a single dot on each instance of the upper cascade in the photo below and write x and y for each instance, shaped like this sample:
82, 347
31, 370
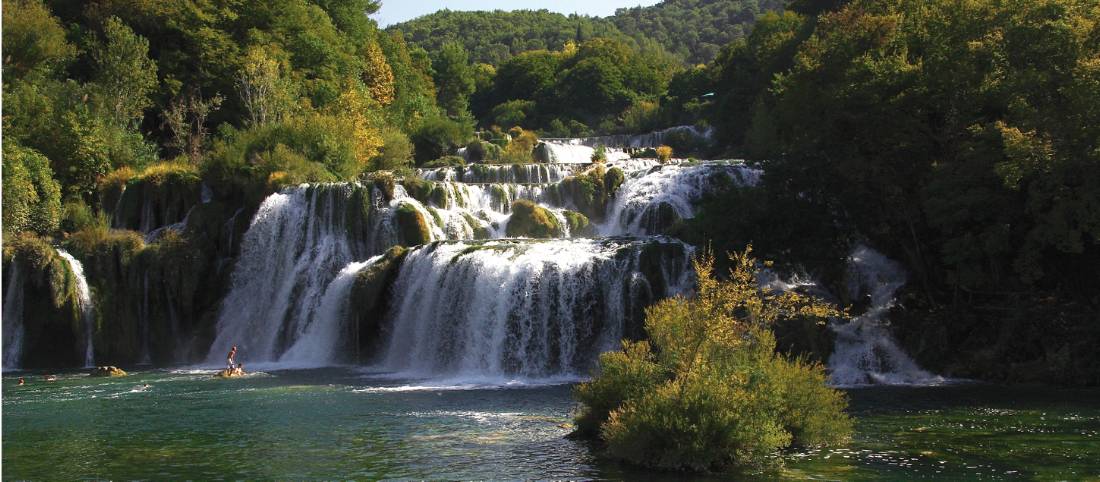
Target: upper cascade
650, 201
636, 141
529, 309
500, 173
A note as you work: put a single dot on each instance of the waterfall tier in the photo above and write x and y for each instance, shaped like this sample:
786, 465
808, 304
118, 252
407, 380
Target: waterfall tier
526, 308
84, 302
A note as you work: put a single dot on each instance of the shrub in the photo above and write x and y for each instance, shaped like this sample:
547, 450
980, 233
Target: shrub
396, 152
664, 153
445, 161
711, 393
512, 113
521, 149
600, 154
439, 136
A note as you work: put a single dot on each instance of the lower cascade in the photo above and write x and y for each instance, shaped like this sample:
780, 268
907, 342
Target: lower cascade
13, 328
865, 351
525, 308
87, 310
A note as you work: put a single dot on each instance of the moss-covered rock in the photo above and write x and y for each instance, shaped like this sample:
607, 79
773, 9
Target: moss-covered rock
412, 227
107, 371
50, 304
370, 297
418, 189
158, 197
578, 224
590, 191
480, 231
530, 220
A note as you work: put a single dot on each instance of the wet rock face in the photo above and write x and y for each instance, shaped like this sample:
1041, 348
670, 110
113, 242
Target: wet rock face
44, 309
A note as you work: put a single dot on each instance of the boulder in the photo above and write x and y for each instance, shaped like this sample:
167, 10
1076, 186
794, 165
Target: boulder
107, 371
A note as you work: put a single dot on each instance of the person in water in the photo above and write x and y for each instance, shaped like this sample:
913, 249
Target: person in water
229, 360
240, 369
22, 381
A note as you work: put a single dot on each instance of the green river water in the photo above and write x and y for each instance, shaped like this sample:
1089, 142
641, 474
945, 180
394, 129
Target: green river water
349, 424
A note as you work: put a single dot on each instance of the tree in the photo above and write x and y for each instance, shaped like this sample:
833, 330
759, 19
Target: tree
32, 198
267, 96
124, 76
34, 40
454, 79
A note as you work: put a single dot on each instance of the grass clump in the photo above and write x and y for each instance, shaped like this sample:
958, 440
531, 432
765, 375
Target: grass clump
708, 392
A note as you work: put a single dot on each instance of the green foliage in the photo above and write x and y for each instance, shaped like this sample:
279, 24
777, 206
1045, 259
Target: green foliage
34, 41
693, 30
708, 391
32, 198
591, 190
435, 137
454, 79
493, 37
530, 220
591, 82
511, 113
396, 152
124, 75
520, 150
445, 161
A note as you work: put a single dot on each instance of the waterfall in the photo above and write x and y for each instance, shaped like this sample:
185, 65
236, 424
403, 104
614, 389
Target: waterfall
499, 173
865, 351
87, 309
297, 242
319, 343
572, 151
651, 139
13, 328
650, 201
526, 309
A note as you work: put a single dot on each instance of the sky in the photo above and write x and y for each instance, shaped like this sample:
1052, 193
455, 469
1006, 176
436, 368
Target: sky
396, 11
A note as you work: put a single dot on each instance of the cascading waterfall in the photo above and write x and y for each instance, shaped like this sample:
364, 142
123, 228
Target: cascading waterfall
650, 200
572, 151
87, 309
503, 173
651, 139
526, 309
13, 329
297, 242
319, 341
865, 351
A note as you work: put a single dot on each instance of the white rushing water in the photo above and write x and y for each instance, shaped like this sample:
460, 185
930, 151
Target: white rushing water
647, 198
87, 309
522, 309
636, 141
865, 351
572, 151
297, 242
500, 173
318, 343
13, 328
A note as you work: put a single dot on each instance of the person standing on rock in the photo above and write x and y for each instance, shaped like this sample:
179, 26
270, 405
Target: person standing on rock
229, 360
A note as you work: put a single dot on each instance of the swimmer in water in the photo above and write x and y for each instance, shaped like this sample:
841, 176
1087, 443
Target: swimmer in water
22, 381
51, 378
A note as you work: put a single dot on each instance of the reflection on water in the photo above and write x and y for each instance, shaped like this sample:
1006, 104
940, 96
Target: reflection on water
340, 423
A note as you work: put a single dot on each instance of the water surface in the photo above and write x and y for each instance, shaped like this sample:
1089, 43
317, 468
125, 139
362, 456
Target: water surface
345, 423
